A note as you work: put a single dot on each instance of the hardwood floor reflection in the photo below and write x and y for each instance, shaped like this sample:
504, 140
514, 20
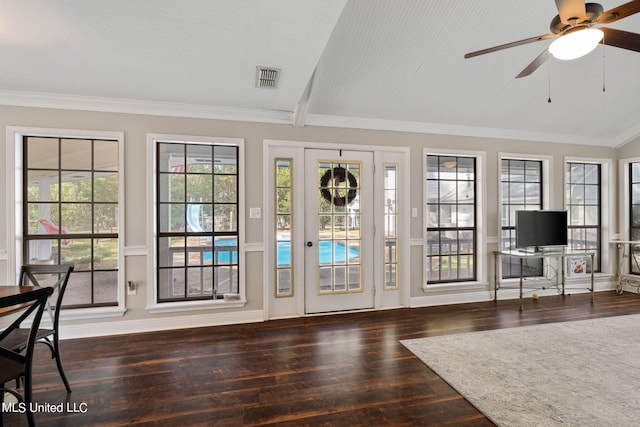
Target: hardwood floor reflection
340, 370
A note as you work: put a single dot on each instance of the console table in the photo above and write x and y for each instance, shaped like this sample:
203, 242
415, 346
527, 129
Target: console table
521, 256
624, 278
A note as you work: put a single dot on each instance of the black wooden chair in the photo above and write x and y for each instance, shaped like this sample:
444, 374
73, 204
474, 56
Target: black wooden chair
18, 364
56, 276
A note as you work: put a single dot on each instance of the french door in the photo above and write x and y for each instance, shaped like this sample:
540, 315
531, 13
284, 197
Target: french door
339, 231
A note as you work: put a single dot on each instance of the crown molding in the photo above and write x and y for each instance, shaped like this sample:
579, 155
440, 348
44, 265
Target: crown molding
446, 129
132, 106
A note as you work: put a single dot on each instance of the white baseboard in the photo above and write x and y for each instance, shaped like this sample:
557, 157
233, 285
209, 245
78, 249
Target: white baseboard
99, 329
512, 292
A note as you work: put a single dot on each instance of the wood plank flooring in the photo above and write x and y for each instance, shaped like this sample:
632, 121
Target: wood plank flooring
339, 370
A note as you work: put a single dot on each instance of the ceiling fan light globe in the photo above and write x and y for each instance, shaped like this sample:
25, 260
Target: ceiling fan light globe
576, 44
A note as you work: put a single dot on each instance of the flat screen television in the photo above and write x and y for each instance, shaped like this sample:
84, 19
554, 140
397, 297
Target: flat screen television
538, 229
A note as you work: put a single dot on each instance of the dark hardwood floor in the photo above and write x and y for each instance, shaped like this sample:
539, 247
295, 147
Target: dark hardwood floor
340, 370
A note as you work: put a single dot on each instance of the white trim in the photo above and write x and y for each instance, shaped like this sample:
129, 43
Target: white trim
102, 329
135, 251
254, 247
627, 136
216, 112
183, 306
459, 130
132, 106
492, 240
154, 307
485, 293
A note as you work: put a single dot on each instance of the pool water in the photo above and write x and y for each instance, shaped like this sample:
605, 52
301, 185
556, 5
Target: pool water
340, 252
224, 256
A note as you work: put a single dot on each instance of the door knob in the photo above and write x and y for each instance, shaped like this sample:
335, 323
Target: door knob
309, 244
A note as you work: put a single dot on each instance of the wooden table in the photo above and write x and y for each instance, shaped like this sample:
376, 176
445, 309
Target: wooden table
8, 291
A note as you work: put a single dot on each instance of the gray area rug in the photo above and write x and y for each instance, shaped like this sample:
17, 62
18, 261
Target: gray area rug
580, 373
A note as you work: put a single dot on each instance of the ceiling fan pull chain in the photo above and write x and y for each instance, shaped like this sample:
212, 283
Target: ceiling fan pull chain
603, 67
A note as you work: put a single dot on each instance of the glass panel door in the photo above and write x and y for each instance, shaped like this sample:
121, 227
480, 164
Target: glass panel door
339, 230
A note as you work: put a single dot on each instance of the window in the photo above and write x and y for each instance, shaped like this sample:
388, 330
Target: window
521, 189
583, 195
451, 218
634, 196
71, 213
284, 227
390, 226
197, 220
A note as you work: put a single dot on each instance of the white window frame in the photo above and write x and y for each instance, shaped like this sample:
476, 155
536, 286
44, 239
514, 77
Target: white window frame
482, 251
14, 160
607, 207
624, 228
153, 306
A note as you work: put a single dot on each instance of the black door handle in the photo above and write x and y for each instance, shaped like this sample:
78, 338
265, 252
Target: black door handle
309, 244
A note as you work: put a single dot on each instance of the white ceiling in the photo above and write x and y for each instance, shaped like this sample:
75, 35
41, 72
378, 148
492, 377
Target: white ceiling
378, 64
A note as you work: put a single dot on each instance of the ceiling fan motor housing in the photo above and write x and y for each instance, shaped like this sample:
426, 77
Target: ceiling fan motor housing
593, 10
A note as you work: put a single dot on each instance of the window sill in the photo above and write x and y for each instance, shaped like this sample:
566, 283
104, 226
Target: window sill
455, 287
172, 307
90, 313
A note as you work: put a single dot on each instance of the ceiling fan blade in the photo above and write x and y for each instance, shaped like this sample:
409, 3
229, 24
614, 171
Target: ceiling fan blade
619, 12
534, 65
621, 39
571, 9
508, 45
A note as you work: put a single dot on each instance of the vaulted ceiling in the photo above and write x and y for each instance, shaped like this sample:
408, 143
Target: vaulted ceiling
376, 64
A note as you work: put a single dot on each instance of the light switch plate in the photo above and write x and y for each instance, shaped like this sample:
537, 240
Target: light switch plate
414, 212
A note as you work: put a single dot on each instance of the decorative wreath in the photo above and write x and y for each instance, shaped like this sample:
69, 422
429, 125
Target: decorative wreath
339, 174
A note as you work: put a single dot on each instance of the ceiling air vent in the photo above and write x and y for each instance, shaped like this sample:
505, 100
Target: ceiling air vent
267, 77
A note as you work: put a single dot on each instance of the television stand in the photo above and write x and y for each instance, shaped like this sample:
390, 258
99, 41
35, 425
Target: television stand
543, 250
521, 256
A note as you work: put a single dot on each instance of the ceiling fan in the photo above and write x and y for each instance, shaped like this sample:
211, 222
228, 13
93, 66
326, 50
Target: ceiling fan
575, 37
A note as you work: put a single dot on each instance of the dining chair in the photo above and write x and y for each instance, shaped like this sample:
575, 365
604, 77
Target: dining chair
18, 364
56, 276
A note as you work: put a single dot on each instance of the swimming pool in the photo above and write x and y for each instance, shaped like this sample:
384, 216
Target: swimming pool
225, 253
340, 252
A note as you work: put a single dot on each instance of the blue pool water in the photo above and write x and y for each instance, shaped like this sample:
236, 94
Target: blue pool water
224, 256
340, 252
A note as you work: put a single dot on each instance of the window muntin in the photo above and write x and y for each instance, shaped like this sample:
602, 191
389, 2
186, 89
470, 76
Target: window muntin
284, 227
583, 201
71, 213
197, 221
634, 214
521, 189
451, 219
